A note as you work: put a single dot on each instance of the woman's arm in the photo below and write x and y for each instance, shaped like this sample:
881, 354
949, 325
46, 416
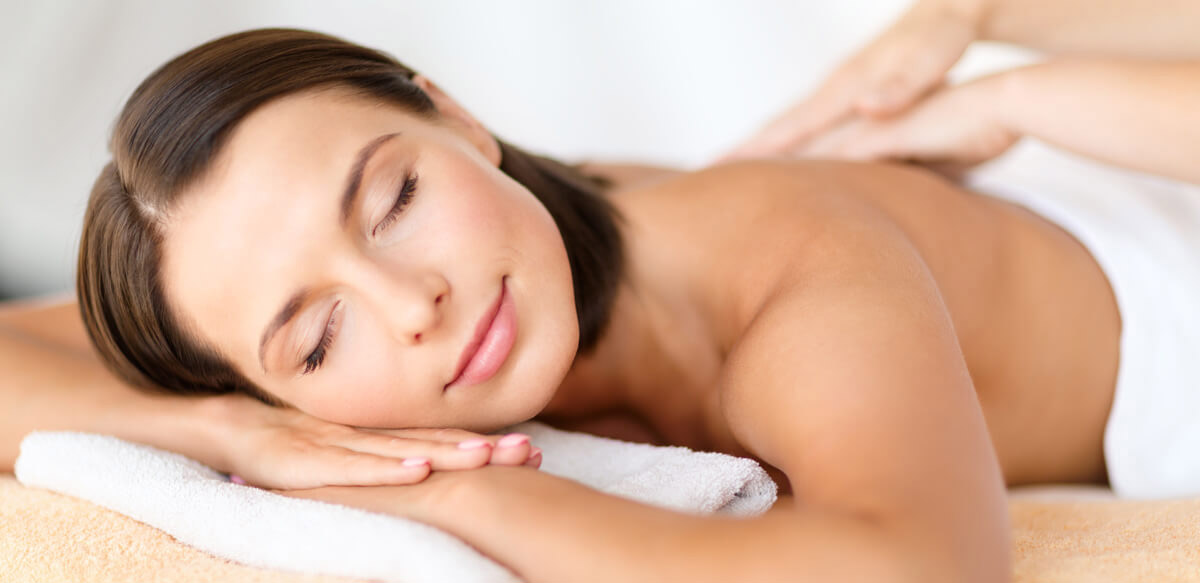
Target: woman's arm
52, 379
550, 529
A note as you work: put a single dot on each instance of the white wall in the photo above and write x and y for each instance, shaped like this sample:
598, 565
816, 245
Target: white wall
674, 82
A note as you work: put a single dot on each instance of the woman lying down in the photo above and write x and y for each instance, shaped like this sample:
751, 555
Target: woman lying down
297, 219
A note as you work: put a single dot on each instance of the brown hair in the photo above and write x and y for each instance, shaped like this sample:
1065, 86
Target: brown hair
167, 136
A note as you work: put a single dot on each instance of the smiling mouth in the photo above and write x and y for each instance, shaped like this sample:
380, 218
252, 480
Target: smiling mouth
490, 345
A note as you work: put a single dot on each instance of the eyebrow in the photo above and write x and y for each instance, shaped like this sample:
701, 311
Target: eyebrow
349, 197
288, 312
356, 174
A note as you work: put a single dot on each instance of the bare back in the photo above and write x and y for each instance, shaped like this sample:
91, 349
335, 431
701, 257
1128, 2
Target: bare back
1034, 315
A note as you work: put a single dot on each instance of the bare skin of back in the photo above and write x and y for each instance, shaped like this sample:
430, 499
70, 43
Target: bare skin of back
1035, 316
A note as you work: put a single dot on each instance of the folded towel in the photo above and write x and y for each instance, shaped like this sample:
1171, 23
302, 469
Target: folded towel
198, 506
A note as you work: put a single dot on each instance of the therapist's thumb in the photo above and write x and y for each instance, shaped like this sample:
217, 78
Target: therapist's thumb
790, 130
894, 95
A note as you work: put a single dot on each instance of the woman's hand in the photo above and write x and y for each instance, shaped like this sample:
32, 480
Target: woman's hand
954, 127
886, 77
433, 501
286, 449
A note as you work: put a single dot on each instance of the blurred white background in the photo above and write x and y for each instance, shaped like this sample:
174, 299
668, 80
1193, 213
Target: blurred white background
671, 82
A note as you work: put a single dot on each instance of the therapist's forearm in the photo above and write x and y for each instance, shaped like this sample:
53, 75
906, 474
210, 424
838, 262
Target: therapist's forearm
1134, 28
1136, 114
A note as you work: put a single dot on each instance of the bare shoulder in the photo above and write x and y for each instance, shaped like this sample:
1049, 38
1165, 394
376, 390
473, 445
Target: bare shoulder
52, 318
751, 228
844, 370
764, 198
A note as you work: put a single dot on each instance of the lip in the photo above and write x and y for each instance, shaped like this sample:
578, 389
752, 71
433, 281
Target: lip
490, 345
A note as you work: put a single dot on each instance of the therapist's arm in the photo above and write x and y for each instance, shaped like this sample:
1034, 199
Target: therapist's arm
1131, 113
1140, 115
910, 59
1134, 28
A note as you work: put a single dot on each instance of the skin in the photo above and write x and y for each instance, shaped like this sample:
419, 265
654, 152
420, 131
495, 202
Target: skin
719, 286
890, 101
410, 296
847, 325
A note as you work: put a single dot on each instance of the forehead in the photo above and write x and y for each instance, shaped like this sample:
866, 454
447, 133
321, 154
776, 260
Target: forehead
270, 199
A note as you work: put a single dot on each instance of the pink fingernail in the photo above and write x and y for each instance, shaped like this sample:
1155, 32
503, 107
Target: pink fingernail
473, 443
416, 461
236, 479
513, 440
535, 451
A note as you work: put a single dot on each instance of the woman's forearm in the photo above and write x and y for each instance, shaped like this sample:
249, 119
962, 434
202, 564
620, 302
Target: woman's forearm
1136, 114
51, 380
551, 529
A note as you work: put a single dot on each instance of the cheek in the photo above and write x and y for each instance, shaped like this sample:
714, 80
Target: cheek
367, 386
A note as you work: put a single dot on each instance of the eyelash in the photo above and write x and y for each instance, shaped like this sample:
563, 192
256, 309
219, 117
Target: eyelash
317, 357
402, 199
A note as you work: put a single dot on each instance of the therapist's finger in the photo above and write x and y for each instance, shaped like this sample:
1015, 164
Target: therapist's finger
789, 130
893, 95
833, 142
911, 60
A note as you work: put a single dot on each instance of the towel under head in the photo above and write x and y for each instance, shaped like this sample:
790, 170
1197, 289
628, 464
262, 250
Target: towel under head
200, 507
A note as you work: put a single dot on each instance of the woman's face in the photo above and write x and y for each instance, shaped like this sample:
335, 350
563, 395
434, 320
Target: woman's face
373, 268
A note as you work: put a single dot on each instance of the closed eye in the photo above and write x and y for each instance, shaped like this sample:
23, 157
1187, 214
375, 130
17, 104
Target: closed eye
317, 357
402, 199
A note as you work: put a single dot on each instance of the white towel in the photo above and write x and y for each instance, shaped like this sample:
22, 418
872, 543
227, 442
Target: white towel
199, 507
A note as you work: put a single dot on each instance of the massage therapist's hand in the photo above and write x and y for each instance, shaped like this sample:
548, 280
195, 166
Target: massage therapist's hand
889, 75
954, 128
286, 449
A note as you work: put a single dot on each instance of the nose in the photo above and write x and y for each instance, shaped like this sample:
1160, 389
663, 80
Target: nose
410, 303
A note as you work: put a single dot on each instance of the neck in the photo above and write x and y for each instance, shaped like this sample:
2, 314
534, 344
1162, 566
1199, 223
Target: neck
645, 363
600, 381
662, 349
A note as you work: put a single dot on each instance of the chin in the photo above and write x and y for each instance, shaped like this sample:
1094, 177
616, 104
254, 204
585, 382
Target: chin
531, 393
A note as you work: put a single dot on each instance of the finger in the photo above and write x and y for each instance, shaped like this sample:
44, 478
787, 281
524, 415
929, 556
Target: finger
877, 142
832, 142
333, 466
512, 450
445, 435
915, 69
535, 458
444, 455
898, 93
467, 454
786, 133
830, 106
459, 437
892, 96
370, 470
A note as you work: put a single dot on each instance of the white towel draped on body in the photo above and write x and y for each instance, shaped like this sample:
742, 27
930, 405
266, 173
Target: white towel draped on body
199, 507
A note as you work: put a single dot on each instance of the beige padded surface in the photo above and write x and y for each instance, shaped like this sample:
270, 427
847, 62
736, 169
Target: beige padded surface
47, 537
1061, 534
